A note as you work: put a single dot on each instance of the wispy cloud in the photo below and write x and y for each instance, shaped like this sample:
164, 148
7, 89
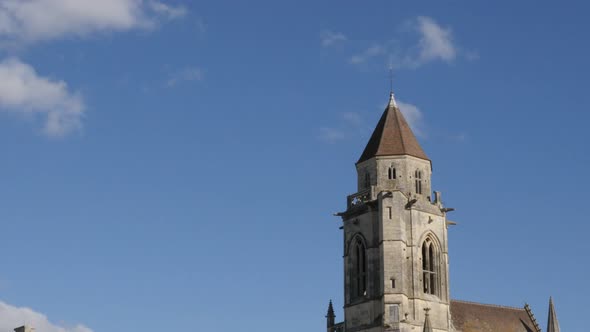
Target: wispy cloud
436, 42
348, 125
23, 23
185, 75
367, 54
24, 91
168, 11
414, 116
424, 42
12, 317
330, 38
35, 20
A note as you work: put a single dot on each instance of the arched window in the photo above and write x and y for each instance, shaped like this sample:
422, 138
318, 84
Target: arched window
367, 180
359, 269
418, 178
391, 173
429, 267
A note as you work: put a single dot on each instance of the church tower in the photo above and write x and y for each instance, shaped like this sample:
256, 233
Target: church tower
395, 237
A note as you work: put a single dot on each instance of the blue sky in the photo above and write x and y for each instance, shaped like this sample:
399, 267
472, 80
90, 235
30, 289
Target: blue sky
175, 165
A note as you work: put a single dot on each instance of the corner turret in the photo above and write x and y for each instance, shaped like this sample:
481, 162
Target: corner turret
330, 317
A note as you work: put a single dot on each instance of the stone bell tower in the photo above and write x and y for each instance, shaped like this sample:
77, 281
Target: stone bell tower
395, 237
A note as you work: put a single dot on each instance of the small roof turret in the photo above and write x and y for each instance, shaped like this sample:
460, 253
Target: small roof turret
552, 323
330, 311
330, 317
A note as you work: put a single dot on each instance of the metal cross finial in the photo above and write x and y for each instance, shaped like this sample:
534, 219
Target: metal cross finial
392, 102
391, 78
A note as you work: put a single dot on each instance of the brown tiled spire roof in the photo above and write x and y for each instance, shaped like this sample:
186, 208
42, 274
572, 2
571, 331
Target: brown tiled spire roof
392, 136
552, 323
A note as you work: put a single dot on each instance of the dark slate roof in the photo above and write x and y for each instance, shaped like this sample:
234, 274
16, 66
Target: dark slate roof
477, 317
392, 136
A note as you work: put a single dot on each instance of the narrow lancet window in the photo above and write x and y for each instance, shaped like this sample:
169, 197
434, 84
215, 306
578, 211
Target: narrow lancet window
431, 260
429, 267
418, 179
367, 180
359, 270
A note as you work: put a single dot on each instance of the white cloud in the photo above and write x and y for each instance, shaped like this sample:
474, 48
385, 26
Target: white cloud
427, 42
185, 75
22, 22
349, 125
414, 116
436, 42
369, 53
23, 91
12, 317
330, 38
167, 10
35, 20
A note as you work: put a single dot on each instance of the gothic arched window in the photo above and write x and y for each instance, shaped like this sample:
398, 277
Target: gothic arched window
429, 267
391, 173
359, 269
418, 177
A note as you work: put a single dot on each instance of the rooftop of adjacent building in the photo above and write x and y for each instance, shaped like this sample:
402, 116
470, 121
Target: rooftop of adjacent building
480, 317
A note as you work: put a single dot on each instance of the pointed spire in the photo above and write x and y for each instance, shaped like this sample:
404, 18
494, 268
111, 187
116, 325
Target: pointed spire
392, 102
392, 136
330, 316
330, 310
552, 323
427, 325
